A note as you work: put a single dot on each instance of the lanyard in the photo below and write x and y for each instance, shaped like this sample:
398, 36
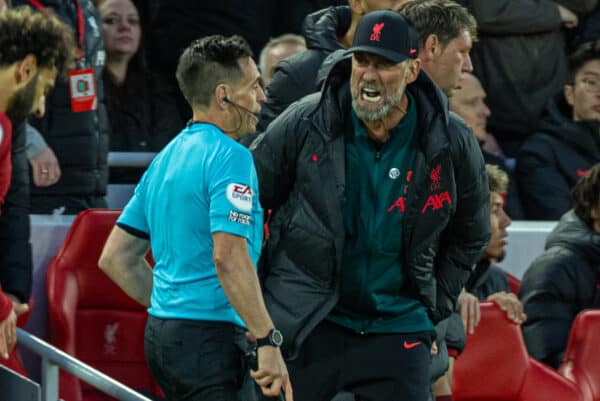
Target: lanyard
80, 24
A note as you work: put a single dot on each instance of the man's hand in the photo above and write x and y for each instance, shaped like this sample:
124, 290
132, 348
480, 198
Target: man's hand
568, 17
45, 168
509, 303
8, 334
18, 307
469, 311
272, 375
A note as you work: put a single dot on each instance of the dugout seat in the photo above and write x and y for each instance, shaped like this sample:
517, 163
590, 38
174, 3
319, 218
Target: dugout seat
513, 283
580, 362
89, 316
495, 366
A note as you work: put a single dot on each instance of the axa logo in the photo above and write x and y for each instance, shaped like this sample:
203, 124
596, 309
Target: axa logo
435, 177
400, 203
376, 35
110, 338
437, 201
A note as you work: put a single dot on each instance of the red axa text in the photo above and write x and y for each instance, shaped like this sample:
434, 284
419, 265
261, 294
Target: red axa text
400, 204
436, 201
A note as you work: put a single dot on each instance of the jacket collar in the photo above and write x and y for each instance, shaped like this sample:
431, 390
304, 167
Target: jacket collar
335, 92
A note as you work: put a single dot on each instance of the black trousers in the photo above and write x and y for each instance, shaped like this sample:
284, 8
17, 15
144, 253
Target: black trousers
374, 367
195, 360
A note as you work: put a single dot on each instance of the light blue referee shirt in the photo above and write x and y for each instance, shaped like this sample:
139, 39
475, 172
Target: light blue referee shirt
202, 182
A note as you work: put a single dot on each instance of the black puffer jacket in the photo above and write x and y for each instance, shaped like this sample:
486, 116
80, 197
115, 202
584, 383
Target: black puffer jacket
296, 76
300, 162
511, 30
552, 160
558, 285
79, 140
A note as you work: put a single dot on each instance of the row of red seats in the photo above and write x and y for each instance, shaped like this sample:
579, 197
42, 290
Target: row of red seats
92, 319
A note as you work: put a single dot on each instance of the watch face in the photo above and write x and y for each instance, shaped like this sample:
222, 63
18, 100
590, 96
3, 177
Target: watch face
277, 338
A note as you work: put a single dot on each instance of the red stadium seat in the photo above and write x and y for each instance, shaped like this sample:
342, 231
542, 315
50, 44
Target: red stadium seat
495, 366
580, 362
90, 317
514, 283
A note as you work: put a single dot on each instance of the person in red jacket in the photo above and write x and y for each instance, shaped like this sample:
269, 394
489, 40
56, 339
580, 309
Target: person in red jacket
29, 65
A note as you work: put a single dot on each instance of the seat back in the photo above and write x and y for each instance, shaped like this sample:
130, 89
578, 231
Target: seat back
494, 363
513, 283
495, 366
90, 317
580, 362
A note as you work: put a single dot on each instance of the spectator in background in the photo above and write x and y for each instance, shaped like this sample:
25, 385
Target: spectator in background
532, 31
76, 129
567, 142
139, 120
325, 32
36, 47
563, 281
278, 49
446, 34
178, 22
469, 103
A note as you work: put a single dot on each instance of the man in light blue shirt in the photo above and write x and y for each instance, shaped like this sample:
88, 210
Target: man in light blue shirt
198, 207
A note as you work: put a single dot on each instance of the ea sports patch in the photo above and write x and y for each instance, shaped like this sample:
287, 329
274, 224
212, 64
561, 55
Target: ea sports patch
240, 196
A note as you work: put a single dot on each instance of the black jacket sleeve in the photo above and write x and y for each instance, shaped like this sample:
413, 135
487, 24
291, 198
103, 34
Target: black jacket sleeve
544, 191
468, 232
548, 292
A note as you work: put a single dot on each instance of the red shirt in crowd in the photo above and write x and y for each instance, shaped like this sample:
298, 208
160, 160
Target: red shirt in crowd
5, 172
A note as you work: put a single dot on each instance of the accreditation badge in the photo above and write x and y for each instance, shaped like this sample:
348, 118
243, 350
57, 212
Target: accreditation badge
82, 85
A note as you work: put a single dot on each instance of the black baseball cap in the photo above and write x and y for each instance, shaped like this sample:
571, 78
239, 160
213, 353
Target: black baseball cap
386, 33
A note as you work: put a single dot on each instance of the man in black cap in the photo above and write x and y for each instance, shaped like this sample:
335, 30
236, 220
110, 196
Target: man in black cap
380, 209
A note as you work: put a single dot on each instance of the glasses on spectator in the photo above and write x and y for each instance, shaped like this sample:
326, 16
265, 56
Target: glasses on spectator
591, 85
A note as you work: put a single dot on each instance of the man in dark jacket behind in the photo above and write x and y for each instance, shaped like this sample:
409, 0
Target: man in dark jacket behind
532, 31
325, 31
567, 143
380, 209
79, 139
562, 281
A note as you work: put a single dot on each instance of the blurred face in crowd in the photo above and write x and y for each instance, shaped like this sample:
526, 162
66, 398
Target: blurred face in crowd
584, 94
121, 27
469, 102
377, 84
3, 5
31, 99
276, 54
446, 65
247, 93
499, 221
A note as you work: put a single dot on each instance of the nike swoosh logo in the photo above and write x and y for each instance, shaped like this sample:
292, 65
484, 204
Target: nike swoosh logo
411, 345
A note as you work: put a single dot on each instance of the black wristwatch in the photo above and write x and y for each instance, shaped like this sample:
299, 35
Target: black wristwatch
274, 339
